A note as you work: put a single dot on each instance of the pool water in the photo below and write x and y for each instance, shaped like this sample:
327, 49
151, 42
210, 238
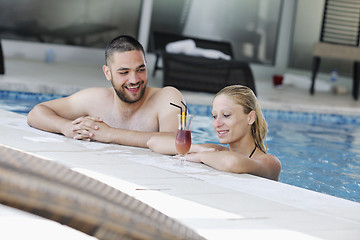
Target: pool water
320, 152
319, 156
23, 102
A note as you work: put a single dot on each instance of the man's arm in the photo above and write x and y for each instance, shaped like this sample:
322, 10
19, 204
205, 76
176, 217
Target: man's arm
57, 115
107, 134
44, 118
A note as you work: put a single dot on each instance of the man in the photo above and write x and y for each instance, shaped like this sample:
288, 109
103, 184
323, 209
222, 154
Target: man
129, 113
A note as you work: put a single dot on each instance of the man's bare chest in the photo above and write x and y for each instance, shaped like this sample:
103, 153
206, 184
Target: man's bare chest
139, 122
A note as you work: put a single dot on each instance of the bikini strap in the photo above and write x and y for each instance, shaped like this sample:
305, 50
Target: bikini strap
252, 152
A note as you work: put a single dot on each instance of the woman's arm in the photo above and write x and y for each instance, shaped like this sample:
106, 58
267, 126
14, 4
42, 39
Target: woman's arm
267, 165
166, 145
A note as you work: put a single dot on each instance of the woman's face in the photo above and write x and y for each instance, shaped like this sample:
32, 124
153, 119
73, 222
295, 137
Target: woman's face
229, 120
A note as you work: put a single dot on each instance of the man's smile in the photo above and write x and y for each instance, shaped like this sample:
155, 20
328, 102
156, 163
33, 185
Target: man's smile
133, 88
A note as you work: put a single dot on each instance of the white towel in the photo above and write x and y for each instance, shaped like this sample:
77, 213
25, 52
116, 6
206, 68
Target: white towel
182, 46
188, 47
304, 82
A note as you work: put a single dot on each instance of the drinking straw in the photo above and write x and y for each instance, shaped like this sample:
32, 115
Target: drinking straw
177, 106
181, 113
184, 114
185, 107
183, 119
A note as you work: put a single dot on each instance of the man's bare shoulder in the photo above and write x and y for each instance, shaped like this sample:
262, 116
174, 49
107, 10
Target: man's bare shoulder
89, 98
169, 89
90, 94
95, 90
167, 92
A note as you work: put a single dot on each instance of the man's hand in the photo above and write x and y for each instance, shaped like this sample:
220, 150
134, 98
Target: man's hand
84, 127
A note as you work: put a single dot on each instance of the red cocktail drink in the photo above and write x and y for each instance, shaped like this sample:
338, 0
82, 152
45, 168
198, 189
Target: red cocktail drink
183, 141
183, 136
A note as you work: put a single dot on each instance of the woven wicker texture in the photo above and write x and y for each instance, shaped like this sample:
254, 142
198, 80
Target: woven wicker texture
53, 191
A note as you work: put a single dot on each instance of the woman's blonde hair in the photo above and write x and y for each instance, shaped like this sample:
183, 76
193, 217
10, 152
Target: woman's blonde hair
245, 97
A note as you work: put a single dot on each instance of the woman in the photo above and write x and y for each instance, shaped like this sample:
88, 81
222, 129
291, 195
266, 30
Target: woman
238, 122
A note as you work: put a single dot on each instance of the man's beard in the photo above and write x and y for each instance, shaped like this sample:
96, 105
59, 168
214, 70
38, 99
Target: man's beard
126, 99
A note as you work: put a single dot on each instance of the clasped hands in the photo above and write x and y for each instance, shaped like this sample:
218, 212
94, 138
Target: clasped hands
90, 128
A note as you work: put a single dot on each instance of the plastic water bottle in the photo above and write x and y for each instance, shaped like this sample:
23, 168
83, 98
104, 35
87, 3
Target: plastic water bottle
334, 76
333, 79
50, 55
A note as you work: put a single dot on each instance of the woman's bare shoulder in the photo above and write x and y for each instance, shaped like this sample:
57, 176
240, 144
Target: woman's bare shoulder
273, 164
273, 159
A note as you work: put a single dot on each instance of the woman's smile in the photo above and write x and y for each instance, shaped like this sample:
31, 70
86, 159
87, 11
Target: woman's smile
222, 133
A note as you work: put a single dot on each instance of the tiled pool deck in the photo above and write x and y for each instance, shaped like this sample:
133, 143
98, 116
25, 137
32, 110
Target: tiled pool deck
217, 205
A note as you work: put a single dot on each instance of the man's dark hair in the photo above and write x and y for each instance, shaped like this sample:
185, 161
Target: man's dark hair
122, 43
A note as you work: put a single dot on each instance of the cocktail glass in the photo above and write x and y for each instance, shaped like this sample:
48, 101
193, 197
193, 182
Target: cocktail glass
183, 136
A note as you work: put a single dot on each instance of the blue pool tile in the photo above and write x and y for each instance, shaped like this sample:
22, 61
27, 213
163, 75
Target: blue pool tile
205, 110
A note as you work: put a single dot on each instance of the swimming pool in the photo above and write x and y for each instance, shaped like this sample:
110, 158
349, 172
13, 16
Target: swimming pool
320, 152
23, 102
